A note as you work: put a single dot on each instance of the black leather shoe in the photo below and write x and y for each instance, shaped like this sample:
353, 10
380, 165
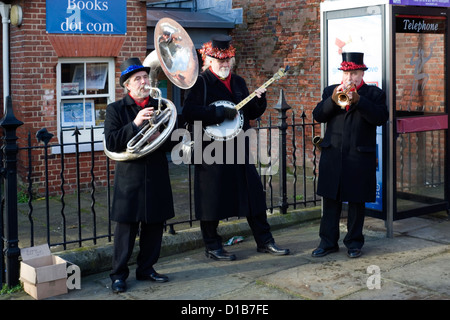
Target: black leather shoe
354, 253
220, 254
272, 248
119, 286
152, 277
320, 252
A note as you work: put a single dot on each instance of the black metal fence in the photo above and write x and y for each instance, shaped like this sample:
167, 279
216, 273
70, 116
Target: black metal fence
78, 216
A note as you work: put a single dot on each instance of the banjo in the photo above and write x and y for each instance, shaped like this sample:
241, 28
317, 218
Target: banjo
229, 129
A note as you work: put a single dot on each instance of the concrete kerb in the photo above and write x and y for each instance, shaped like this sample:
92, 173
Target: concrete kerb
97, 258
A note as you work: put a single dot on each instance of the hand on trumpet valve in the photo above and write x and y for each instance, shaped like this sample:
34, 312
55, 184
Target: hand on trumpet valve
335, 95
143, 115
354, 97
345, 94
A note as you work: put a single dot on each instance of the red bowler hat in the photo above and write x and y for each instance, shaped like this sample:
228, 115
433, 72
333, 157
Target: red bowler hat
352, 61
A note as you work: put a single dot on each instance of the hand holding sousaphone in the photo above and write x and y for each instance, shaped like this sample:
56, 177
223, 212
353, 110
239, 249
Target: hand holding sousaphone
229, 129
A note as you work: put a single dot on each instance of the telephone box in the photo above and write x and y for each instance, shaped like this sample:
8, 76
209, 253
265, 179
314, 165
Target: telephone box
405, 45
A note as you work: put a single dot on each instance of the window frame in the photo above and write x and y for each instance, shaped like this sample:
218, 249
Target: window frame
85, 133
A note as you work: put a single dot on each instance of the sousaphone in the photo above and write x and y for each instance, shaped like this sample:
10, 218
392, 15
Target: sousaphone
175, 55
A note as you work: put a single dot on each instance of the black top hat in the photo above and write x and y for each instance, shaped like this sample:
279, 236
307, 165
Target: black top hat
221, 41
219, 47
129, 67
352, 61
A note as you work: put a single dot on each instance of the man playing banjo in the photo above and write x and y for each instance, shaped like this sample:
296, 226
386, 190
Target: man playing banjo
226, 188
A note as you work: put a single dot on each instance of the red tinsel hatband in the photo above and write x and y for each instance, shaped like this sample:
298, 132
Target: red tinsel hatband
347, 66
209, 50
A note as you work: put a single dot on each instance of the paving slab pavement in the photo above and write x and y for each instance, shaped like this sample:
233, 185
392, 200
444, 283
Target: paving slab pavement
413, 265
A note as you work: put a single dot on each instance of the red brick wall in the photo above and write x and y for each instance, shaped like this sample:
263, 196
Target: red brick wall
419, 160
33, 88
432, 98
276, 34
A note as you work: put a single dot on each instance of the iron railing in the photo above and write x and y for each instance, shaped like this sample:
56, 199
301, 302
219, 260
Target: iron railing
71, 212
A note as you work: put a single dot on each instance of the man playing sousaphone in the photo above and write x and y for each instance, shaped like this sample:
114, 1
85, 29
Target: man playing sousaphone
228, 189
347, 168
142, 199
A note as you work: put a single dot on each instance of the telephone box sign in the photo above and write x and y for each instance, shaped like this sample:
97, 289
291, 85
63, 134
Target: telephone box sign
427, 3
419, 24
87, 16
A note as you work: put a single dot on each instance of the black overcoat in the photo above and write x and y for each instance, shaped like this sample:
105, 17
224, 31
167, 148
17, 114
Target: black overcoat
231, 189
348, 160
142, 190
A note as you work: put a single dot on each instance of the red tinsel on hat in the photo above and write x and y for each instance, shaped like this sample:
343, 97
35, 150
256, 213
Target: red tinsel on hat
347, 66
209, 50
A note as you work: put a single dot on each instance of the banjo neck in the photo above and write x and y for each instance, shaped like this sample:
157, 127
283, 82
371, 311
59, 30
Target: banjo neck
275, 77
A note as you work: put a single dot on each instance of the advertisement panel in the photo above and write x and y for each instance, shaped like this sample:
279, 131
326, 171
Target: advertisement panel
366, 38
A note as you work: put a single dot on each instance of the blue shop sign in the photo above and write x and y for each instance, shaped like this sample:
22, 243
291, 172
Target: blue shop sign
87, 16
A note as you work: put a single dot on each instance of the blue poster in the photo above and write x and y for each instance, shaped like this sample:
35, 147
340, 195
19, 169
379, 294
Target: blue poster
426, 3
378, 204
86, 16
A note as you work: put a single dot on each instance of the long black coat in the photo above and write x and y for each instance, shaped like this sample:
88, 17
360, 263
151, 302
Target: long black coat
224, 190
347, 168
142, 190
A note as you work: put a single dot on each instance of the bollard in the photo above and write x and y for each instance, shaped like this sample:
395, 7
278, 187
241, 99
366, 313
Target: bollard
9, 173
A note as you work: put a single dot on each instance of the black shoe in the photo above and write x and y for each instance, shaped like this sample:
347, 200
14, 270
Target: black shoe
154, 276
354, 253
220, 254
272, 248
119, 286
320, 252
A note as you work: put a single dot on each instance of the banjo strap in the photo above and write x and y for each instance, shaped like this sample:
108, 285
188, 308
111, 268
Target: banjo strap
204, 90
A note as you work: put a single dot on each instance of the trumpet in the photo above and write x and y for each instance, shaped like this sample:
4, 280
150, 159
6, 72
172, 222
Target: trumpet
343, 99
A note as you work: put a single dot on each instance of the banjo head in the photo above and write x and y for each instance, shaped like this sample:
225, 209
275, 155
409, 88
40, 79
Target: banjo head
228, 129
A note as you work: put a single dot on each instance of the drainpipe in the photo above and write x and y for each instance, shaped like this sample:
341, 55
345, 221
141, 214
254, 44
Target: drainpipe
4, 11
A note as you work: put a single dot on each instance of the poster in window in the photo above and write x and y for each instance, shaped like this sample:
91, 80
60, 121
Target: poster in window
95, 76
69, 89
100, 113
76, 114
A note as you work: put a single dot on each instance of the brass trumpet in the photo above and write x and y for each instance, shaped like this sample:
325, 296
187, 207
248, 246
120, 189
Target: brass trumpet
343, 99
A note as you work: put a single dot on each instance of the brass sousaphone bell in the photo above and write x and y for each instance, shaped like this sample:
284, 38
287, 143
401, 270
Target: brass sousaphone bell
175, 55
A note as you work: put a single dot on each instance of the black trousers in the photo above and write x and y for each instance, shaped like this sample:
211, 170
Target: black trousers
329, 225
150, 239
258, 224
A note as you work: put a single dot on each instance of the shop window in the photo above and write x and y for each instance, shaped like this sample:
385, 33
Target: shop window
84, 88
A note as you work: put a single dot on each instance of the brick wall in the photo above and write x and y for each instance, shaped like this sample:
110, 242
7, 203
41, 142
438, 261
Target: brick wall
419, 156
275, 34
33, 85
428, 95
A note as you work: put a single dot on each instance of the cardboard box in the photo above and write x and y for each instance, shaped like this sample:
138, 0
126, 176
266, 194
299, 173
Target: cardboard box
43, 274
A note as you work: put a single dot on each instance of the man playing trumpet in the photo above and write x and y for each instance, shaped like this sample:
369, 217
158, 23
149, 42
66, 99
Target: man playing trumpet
352, 111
